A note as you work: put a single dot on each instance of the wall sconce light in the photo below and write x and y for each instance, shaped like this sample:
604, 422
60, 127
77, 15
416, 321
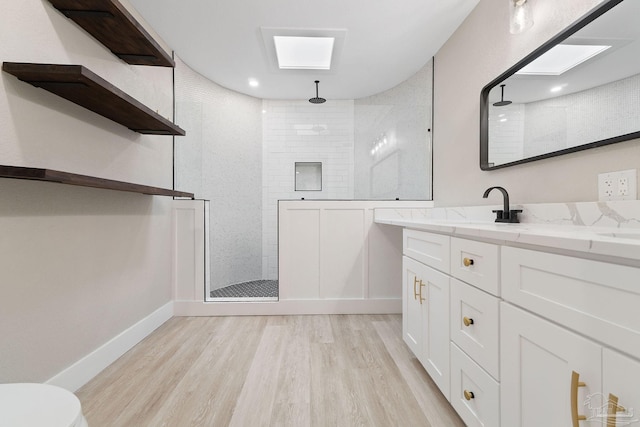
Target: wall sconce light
521, 16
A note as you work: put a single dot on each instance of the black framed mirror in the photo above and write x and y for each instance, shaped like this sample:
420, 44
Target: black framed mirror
579, 90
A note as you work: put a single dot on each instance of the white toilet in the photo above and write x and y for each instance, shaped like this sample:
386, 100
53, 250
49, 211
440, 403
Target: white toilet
39, 405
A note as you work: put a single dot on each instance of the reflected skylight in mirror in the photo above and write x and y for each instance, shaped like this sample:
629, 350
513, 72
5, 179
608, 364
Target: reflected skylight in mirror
561, 59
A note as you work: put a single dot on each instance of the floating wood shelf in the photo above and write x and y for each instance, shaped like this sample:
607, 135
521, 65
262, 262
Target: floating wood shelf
36, 174
83, 87
113, 26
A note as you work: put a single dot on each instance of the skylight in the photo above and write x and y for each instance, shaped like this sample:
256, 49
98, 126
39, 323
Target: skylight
304, 53
561, 58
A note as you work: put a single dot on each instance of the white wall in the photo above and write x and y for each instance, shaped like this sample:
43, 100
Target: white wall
298, 131
220, 159
479, 51
79, 265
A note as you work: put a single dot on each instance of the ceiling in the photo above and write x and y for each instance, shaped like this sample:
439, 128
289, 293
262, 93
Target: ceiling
386, 41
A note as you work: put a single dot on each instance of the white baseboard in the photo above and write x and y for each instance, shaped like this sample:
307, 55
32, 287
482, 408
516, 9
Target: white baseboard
288, 307
78, 374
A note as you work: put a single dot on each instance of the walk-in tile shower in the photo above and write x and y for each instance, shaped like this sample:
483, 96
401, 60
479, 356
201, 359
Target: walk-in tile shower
244, 154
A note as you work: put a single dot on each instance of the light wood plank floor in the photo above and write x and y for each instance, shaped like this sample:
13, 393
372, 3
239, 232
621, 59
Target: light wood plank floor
325, 370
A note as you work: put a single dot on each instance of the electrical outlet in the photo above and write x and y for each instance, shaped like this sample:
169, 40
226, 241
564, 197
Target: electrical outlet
623, 186
620, 185
605, 187
608, 186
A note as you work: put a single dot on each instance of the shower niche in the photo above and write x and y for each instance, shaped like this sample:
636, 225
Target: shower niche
308, 176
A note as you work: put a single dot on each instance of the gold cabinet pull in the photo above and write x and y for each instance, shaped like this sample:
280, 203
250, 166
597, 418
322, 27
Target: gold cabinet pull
575, 383
421, 285
612, 409
467, 321
468, 262
415, 282
468, 394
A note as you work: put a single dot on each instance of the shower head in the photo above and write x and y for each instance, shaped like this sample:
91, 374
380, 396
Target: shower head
317, 100
502, 102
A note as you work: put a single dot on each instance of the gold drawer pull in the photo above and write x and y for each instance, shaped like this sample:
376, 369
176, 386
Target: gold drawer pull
468, 395
415, 282
468, 262
421, 285
467, 321
612, 409
575, 383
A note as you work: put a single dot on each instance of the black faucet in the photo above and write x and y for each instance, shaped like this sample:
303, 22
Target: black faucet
504, 215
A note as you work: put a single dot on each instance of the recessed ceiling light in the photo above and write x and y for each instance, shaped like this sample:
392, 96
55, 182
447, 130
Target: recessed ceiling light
562, 58
253, 83
304, 53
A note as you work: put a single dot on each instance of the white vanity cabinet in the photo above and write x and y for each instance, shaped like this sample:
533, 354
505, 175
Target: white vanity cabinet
425, 318
538, 359
545, 365
581, 319
543, 327
451, 326
517, 336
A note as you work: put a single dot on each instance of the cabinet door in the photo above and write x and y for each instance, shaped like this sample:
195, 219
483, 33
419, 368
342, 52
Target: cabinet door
537, 359
620, 377
412, 309
435, 351
425, 319
593, 298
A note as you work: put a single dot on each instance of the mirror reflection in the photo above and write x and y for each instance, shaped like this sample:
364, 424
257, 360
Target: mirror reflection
581, 90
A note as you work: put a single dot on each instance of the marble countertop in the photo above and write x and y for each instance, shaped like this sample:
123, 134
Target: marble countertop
597, 240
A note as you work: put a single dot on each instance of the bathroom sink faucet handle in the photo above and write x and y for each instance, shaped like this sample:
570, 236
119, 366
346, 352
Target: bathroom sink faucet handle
513, 215
506, 214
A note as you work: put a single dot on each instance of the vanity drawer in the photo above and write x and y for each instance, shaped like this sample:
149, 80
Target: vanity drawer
474, 394
598, 299
476, 263
428, 248
474, 325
